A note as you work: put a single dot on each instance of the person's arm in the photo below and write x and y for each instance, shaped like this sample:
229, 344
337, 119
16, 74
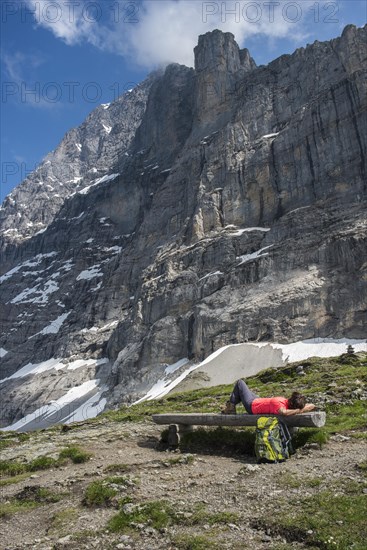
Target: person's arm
289, 412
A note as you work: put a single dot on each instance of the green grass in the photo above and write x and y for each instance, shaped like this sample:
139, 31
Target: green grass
186, 459
346, 417
10, 468
362, 466
28, 498
14, 469
35, 493
310, 435
125, 481
10, 508
320, 372
325, 520
14, 479
102, 491
194, 542
98, 493
162, 514
42, 463
12, 439
76, 454
62, 519
159, 514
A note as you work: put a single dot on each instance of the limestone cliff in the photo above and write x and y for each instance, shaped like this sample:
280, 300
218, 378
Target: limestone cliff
234, 211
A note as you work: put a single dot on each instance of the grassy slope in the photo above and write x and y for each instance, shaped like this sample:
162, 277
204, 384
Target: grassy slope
337, 378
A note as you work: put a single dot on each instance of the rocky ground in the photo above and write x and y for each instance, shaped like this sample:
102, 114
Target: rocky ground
200, 488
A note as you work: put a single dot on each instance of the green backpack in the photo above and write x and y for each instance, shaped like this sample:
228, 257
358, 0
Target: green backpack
273, 441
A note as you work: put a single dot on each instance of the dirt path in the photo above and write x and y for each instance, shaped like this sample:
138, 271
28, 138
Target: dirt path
215, 483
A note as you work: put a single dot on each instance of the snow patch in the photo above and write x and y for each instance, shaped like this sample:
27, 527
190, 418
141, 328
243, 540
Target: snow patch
77, 179
79, 147
107, 128
270, 136
297, 351
54, 326
211, 275
96, 288
41, 295
318, 347
86, 190
249, 229
90, 273
53, 364
113, 249
248, 257
105, 105
29, 263
165, 385
172, 368
66, 409
3, 352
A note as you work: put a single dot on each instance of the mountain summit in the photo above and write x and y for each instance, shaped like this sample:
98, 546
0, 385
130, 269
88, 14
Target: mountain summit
206, 207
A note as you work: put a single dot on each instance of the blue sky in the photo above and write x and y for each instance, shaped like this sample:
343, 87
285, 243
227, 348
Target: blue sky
60, 59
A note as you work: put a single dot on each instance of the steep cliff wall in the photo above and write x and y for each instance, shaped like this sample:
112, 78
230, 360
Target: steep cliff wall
235, 213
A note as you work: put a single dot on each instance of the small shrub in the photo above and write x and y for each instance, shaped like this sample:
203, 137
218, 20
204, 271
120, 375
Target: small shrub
125, 481
362, 466
185, 459
42, 463
38, 494
75, 454
159, 514
98, 493
200, 516
12, 468
194, 542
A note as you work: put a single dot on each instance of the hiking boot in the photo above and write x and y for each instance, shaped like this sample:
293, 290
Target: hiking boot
230, 408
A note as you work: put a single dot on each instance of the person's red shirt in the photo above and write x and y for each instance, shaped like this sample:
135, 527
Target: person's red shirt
269, 405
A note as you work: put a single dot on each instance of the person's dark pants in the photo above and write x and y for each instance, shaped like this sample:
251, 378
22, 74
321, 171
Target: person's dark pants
242, 394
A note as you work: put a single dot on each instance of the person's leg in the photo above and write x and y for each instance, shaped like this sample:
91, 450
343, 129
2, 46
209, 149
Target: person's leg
242, 393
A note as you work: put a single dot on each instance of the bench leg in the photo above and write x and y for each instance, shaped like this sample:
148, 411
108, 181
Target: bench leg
176, 431
173, 436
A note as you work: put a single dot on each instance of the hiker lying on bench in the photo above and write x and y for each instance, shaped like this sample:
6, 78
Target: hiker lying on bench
254, 404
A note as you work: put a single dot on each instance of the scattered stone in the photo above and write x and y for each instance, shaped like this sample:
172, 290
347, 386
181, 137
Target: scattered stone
339, 437
64, 540
249, 468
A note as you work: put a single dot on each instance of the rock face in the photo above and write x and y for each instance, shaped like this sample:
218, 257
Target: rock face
84, 156
229, 207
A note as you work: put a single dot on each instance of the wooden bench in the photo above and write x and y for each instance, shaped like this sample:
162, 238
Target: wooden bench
181, 423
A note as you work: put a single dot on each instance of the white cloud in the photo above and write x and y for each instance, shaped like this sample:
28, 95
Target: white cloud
18, 64
67, 20
162, 31
21, 83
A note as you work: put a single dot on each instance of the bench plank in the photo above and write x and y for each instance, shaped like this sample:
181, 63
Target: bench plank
309, 420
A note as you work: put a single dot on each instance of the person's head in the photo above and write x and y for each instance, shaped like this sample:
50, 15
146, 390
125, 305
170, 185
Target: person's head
296, 401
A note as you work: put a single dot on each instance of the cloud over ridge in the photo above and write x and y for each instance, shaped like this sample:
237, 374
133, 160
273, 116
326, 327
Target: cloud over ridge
158, 32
